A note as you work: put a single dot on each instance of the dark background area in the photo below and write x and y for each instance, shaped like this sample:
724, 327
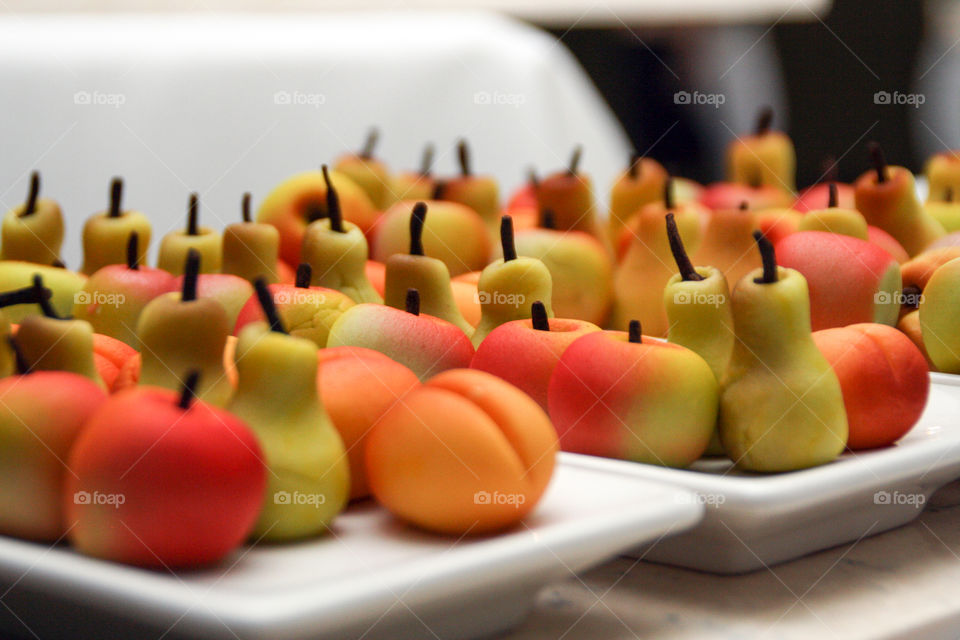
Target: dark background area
822, 76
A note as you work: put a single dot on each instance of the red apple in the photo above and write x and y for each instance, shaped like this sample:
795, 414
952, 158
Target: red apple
159, 485
41, 415
818, 197
525, 352
850, 280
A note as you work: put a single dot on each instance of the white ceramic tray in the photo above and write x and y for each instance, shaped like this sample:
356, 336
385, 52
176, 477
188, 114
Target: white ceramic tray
754, 521
374, 579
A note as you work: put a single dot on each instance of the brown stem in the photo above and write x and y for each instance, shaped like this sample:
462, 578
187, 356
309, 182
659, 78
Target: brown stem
133, 251
191, 270
265, 298
548, 219
575, 160
370, 144
193, 212
948, 195
769, 259
25, 295
506, 239
116, 196
439, 188
245, 208
833, 196
687, 271
764, 120
879, 162
188, 392
634, 170
634, 332
43, 299
426, 161
417, 218
538, 316
463, 156
412, 303
744, 205
31, 204
333, 203
304, 275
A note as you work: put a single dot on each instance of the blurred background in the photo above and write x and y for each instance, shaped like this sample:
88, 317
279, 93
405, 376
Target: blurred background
224, 96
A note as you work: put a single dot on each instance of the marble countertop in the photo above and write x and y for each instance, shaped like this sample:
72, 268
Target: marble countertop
903, 583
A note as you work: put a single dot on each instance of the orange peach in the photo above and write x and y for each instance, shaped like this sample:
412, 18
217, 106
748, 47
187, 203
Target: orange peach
909, 325
919, 270
482, 472
883, 377
357, 387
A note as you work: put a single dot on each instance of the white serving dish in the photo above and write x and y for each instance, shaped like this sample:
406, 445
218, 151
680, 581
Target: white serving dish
947, 379
754, 521
374, 578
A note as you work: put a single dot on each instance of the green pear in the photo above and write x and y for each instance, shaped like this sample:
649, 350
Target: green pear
105, 234
33, 231
697, 302
366, 171
781, 407
641, 183
480, 193
9, 356
179, 332
429, 276
412, 185
50, 343
887, 197
176, 244
251, 249
833, 219
65, 285
337, 252
508, 286
308, 482
640, 277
